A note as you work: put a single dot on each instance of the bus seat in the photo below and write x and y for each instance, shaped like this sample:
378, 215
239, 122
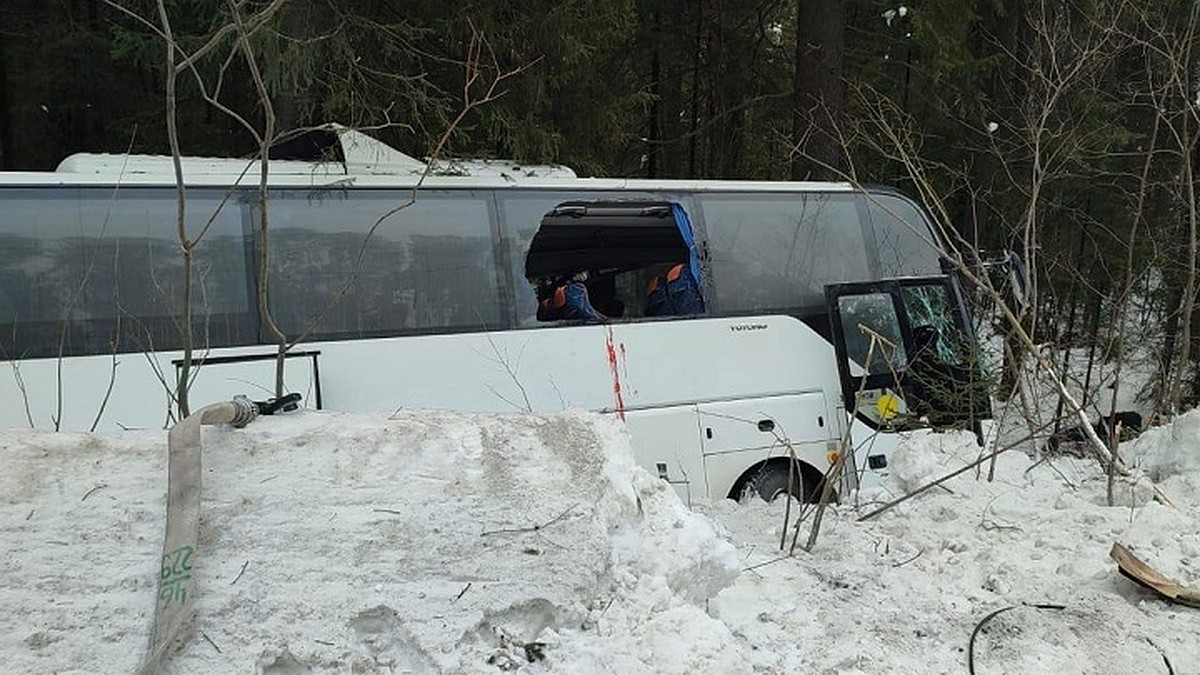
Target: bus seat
602, 292
675, 293
568, 302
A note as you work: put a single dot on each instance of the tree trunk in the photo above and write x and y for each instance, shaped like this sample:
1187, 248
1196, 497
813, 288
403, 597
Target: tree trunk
1187, 305
664, 158
654, 133
818, 92
728, 92
1170, 336
669, 45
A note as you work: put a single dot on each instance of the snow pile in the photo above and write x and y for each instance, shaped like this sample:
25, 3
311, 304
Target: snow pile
913, 465
351, 543
438, 542
1168, 538
902, 592
1168, 452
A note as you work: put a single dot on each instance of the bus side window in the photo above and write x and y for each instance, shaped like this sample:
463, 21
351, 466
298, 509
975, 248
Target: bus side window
521, 214
97, 271
777, 251
429, 267
902, 235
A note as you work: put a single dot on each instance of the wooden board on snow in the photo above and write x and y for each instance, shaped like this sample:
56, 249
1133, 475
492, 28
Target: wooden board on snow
1137, 570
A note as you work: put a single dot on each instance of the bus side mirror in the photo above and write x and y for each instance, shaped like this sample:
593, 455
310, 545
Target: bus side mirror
1006, 270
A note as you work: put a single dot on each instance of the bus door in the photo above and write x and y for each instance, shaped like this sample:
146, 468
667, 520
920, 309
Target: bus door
906, 356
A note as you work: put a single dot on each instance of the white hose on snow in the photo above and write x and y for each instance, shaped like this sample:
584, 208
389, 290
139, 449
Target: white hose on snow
175, 585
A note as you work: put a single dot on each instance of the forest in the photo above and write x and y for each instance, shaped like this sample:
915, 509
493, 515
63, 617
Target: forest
1064, 130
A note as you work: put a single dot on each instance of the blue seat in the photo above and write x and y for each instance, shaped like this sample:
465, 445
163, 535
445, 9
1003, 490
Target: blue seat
569, 302
676, 293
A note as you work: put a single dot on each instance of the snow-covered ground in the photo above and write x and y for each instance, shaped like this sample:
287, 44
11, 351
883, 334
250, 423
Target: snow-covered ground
440, 542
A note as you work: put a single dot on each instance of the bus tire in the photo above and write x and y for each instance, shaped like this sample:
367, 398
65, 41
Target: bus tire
771, 481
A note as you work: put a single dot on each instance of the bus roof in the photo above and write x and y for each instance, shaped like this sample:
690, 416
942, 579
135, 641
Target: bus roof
363, 162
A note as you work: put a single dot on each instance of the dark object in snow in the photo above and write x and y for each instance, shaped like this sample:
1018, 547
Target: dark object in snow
1073, 439
982, 622
285, 403
1128, 421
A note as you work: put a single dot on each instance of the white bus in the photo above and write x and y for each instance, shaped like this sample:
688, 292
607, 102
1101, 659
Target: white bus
444, 310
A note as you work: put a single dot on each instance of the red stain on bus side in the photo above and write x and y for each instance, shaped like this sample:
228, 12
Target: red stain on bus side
616, 373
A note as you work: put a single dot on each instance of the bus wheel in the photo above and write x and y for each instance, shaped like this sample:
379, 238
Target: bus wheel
771, 482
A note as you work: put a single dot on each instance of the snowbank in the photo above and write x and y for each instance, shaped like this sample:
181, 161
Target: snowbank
347, 543
1170, 451
1168, 538
437, 542
902, 593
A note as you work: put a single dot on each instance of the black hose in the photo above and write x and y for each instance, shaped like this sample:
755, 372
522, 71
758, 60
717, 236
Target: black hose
286, 403
989, 617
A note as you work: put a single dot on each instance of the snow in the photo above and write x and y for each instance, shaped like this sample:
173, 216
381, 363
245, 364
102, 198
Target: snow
461, 543
890, 15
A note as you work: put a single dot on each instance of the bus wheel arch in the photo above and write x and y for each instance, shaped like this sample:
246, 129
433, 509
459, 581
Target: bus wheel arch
769, 478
